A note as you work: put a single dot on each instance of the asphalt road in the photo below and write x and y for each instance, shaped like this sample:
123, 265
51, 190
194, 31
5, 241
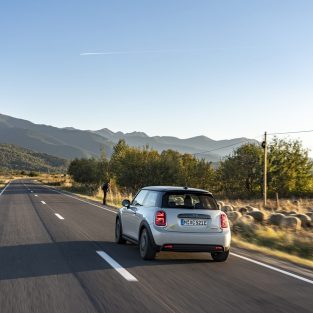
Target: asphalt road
49, 263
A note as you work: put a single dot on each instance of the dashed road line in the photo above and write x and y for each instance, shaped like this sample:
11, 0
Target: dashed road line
59, 216
43, 202
67, 195
122, 271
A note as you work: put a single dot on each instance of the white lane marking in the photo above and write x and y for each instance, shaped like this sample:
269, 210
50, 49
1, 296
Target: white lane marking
36, 195
67, 195
5, 188
273, 268
43, 202
128, 276
59, 216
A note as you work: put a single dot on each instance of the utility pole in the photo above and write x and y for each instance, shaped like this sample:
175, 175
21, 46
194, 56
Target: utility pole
264, 144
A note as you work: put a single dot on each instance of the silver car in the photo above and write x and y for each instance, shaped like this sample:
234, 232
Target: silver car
179, 219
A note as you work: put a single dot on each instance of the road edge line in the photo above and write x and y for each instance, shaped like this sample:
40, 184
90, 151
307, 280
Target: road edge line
3, 190
273, 268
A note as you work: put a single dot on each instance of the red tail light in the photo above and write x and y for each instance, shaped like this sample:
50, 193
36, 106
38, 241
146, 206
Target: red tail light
160, 218
224, 221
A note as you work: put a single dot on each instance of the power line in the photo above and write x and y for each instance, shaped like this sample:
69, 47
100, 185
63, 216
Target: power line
249, 140
294, 132
220, 148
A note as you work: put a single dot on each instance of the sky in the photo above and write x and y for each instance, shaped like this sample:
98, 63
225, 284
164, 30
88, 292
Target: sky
223, 69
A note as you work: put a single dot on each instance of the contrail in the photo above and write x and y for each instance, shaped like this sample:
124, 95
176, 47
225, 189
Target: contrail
145, 51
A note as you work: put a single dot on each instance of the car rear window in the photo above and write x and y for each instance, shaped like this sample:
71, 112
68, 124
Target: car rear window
187, 200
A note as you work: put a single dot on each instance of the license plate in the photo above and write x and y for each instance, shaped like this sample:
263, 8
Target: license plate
193, 222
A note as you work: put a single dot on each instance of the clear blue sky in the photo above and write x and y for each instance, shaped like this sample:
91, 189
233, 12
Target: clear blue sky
222, 69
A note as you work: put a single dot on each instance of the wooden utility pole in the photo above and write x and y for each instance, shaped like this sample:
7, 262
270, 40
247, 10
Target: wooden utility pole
265, 170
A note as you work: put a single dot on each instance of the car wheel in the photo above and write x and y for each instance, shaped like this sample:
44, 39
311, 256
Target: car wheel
147, 251
118, 232
220, 256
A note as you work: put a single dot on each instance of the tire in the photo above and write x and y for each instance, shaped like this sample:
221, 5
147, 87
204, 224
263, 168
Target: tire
220, 256
118, 232
146, 248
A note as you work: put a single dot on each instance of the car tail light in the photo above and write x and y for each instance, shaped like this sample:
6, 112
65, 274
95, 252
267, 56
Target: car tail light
160, 218
224, 221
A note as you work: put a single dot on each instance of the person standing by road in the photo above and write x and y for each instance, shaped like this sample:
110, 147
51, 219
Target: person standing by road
105, 189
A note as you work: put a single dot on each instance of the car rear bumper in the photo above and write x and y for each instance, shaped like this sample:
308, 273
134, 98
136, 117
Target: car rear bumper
192, 248
191, 240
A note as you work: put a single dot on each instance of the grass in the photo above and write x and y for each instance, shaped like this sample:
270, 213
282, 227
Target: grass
240, 243
294, 243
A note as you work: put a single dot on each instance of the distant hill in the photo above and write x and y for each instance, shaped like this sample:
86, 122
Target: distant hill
17, 158
65, 143
194, 145
69, 143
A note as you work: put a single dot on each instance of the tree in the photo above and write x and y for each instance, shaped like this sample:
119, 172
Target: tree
241, 172
290, 168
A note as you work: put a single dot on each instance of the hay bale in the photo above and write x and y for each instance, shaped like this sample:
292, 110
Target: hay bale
246, 219
243, 210
250, 208
220, 204
257, 215
305, 220
291, 222
310, 215
276, 219
292, 212
285, 212
227, 208
233, 216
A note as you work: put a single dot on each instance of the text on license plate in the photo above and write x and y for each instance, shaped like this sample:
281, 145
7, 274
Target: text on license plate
193, 222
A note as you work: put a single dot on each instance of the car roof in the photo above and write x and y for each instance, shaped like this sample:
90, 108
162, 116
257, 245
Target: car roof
175, 188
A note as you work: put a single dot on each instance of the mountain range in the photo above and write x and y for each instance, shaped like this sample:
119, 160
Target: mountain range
16, 158
69, 143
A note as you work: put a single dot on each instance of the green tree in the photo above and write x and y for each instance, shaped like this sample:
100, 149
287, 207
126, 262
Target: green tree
240, 174
290, 168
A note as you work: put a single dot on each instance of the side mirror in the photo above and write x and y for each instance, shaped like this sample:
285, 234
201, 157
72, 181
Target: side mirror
126, 203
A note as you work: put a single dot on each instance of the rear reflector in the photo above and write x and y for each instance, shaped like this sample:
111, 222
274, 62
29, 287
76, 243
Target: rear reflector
224, 220
218, 248
168, 246
160, 218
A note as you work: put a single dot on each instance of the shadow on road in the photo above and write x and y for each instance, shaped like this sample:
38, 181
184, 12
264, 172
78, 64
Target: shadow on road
33, 260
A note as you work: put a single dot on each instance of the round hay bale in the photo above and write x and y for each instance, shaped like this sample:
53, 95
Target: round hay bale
291, 222
257, 215
250, 208
227, 208
276, 219
305, 220
243, 210
309, 214
233, 216
292, 212
220, 204
246, 219
285, 212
